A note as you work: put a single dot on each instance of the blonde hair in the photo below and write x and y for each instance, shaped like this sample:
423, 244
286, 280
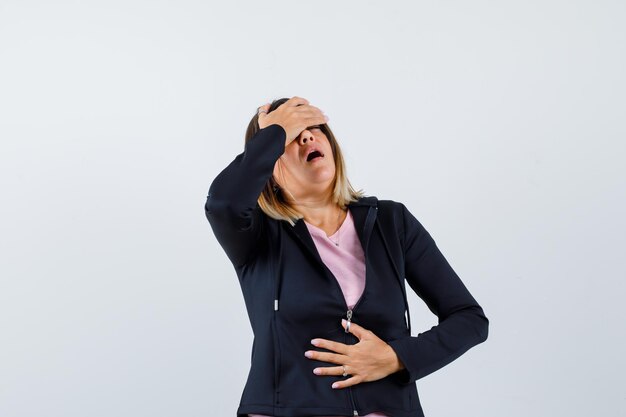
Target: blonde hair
272, 200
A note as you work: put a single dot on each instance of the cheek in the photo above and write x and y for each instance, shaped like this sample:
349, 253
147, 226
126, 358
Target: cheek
291, 155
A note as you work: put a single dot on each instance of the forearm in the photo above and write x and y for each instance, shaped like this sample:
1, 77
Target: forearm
435, 348
242, 181
231, 205
462, 321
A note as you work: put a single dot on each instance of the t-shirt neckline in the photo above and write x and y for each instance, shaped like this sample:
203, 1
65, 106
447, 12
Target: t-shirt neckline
323, 233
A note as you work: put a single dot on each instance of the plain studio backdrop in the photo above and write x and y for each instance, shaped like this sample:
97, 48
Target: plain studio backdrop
499, 124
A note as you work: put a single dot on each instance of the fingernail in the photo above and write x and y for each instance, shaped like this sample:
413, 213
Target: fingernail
335, 385
307, 354
326, 117
343, 321
314, 342
316, 371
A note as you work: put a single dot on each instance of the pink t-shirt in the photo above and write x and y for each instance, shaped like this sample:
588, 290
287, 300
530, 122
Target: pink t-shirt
347, 263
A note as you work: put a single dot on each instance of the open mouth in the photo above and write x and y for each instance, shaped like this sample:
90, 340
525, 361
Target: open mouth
314, 156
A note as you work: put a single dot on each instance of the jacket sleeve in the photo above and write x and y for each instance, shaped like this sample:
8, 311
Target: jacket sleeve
231, 206
462, 322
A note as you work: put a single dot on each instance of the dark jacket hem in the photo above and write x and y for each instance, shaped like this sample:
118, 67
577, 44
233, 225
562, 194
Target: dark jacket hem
269, 410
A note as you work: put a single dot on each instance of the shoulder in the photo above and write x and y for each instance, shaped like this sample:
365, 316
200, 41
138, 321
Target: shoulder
391, 207
382, 204
397, 212
391, 212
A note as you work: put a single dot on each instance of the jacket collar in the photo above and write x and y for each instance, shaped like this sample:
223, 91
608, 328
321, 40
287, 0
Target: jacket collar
364, 201
363, 212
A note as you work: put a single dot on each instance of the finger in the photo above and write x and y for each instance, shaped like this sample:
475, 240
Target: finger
330, 345
317, 110
316, 120
326, 356
359, 331
309, 111
316, 113
346, 382
264, 107
308, 108
297, 101
329, 370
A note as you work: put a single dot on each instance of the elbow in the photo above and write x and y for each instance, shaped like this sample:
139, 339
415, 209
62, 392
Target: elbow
223, 213
477, 323
482, 326
209, 208
217, 207
217, 210
209, 205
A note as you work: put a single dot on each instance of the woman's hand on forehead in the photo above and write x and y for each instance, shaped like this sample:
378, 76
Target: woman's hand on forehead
294, 116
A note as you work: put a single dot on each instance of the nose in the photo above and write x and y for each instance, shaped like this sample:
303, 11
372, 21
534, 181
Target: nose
305, 137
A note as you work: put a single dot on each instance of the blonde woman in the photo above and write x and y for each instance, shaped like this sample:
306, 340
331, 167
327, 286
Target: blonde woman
322, 268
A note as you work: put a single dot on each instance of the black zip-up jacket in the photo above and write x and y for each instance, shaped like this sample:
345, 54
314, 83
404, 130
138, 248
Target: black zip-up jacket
291, 296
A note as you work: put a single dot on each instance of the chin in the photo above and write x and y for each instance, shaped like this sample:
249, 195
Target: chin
320, 176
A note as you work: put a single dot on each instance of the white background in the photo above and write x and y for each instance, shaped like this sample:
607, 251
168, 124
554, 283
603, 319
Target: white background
499, 124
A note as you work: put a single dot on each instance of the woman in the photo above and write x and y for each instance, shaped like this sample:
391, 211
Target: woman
322, 270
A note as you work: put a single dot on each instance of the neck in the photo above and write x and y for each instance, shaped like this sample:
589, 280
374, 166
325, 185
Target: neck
319, 210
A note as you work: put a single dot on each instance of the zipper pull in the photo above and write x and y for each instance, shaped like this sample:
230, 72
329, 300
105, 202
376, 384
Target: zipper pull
355, 413
347, 330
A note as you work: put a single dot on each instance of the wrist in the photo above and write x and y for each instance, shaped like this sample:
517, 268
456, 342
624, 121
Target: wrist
396, 363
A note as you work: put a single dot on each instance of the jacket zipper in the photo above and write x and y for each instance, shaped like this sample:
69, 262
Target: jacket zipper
354, 409
349, 314
351, 310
